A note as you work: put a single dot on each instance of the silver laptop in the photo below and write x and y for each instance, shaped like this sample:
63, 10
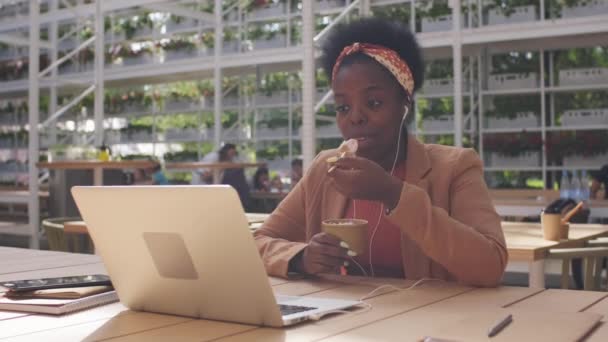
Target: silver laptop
187, 250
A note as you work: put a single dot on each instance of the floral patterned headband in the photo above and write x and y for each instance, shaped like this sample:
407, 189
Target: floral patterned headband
385, 56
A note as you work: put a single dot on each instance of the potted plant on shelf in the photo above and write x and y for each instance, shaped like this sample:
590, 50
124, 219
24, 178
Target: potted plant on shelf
513, 111
178, 48
513, 149
514, 70
582, 149
436, 114
129, 56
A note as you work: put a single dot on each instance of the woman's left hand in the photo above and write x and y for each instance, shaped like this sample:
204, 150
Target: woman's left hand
360, 178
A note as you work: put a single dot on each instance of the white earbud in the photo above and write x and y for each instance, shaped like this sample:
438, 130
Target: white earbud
407, 110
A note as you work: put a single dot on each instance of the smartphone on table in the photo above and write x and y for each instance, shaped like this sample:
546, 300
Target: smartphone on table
57, 283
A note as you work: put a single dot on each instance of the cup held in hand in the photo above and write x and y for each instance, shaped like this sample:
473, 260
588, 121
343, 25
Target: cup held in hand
351, 231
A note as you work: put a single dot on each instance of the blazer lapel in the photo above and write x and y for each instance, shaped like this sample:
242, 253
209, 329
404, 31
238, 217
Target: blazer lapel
415, 263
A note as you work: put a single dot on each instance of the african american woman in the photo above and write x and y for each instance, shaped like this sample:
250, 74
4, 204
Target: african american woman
429, 211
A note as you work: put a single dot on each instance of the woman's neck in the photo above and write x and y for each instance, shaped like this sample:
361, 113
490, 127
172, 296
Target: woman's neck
389, 160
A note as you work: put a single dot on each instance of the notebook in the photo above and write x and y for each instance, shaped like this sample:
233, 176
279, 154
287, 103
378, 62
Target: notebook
56, 306
62, 293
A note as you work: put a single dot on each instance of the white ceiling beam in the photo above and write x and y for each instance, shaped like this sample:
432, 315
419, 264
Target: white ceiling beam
22, 41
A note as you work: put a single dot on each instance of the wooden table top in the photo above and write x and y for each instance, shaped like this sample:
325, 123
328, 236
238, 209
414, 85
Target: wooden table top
80, 227
218, 166
433, 308
93, 164
268, 195
525, 240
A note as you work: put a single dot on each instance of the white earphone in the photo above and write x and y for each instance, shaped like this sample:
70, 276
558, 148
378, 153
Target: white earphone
371, 240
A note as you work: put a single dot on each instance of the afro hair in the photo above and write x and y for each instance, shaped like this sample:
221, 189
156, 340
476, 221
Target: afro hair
377, 31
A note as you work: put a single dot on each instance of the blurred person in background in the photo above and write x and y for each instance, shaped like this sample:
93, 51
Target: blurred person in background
597, 179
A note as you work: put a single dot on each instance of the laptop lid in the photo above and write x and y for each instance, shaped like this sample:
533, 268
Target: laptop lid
183, 250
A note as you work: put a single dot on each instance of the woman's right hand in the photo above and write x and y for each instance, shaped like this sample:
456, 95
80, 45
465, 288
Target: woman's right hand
324, 254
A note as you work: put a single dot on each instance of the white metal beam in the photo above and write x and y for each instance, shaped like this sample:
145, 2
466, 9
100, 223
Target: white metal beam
457, 64
217, 75
308, 83
66, 57
33, 207
65, 108
99, 70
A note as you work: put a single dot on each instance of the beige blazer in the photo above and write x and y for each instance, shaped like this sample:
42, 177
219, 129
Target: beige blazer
450, 229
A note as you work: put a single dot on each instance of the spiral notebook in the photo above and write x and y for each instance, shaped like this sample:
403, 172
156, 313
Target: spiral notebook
56, 306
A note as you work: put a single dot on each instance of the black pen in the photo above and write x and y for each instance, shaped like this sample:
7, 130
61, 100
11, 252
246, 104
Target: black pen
500, 325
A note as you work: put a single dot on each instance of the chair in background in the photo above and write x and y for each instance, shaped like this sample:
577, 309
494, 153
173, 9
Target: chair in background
592, 260
62, 242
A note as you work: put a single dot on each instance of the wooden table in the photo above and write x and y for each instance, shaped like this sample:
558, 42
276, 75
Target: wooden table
97, 166
525, 243
434, 308
528, 202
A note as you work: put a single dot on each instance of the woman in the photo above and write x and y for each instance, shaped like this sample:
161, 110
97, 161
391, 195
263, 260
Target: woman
261, 180
428, 208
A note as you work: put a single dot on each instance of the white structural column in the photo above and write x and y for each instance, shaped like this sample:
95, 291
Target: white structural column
53, 53
457, 60
33, 143
217, 75
99, 64
364, 8
308, 84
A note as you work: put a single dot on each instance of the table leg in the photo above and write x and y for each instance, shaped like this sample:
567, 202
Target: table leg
536, 271
97, 176
216, 176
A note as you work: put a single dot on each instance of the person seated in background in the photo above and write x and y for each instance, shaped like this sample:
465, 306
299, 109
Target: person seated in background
141, 177
297, 171
158, 176
597, 179
226, 154
261, 180
428, 207
276, 185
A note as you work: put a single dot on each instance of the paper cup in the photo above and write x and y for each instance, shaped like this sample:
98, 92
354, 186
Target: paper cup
351, 231
552, 226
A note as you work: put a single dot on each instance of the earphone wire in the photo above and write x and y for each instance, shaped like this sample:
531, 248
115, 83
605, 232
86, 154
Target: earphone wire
371, 242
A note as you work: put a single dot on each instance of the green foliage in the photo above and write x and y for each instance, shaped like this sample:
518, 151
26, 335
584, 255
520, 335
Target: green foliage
508, 106
276, 150
399, 13
582, 58
181, 156
435, 107
581, 100
439, 68
515, 62
514, 180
